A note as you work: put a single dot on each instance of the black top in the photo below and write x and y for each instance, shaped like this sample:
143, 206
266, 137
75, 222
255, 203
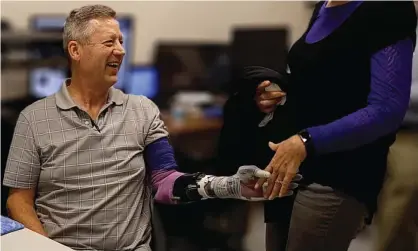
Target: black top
319, 94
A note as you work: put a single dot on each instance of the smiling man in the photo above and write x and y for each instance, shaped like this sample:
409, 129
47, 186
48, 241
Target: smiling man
86, 162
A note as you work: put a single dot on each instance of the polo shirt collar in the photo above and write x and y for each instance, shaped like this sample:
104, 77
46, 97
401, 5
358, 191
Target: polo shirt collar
65, 102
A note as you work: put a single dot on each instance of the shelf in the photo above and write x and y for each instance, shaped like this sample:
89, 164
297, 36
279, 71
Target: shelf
26, 37
29, 63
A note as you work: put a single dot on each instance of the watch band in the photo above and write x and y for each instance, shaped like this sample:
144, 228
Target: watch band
307, 141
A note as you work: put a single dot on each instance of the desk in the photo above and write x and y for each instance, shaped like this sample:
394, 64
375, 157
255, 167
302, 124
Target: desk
27, 240
191, 125
196, 137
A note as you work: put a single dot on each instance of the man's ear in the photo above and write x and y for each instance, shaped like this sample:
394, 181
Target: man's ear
74, 50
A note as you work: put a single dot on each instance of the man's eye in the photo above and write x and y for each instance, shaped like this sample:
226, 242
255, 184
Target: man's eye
109, 43
121, 41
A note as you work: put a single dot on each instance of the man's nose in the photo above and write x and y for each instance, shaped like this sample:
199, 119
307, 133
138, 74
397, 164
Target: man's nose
119, 50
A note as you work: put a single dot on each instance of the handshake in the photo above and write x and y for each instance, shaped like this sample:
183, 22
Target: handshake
240, 185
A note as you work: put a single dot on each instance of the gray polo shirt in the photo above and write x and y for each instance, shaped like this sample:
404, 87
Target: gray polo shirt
93, 191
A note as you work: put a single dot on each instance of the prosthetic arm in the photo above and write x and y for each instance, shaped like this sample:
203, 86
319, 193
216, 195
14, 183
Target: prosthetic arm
199, 186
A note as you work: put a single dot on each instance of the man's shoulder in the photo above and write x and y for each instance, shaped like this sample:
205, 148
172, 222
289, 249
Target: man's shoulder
140, 103
39, 106
139, 100
132, 102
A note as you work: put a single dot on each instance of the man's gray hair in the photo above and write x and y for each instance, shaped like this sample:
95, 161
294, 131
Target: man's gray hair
77, 25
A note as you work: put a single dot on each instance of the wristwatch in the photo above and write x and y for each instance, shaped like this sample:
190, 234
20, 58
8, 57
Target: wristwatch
306, 138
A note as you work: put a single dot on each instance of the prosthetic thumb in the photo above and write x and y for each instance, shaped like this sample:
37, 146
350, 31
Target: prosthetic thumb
250, 173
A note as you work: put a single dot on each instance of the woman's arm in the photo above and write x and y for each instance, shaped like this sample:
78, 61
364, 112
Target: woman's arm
391, 71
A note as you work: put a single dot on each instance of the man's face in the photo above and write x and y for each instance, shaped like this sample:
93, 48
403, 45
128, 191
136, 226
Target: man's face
101, 57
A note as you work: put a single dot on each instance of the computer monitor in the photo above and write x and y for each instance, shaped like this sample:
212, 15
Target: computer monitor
191, 67
45, 22
45, 81
126, 27
142, 80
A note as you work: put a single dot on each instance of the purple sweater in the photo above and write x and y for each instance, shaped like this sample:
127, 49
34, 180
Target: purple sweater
391, 71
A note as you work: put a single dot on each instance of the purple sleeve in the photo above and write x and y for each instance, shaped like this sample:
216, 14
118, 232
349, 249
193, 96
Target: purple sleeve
391, 72
159, 156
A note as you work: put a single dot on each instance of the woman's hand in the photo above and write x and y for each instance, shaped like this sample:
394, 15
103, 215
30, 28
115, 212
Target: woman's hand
283, 167
267, 100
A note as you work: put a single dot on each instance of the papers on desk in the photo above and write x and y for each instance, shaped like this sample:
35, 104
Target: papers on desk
8, 225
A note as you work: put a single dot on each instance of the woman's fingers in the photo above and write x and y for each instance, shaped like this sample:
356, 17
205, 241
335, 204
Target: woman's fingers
262, 86
272, 95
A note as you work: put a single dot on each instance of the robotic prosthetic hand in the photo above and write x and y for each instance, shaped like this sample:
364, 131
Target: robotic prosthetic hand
194, 187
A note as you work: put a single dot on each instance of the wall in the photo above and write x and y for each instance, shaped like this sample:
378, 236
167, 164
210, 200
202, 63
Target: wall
175, 20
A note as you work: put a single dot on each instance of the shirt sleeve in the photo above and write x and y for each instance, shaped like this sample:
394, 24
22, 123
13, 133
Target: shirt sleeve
156, 128
23, 163
391, 72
